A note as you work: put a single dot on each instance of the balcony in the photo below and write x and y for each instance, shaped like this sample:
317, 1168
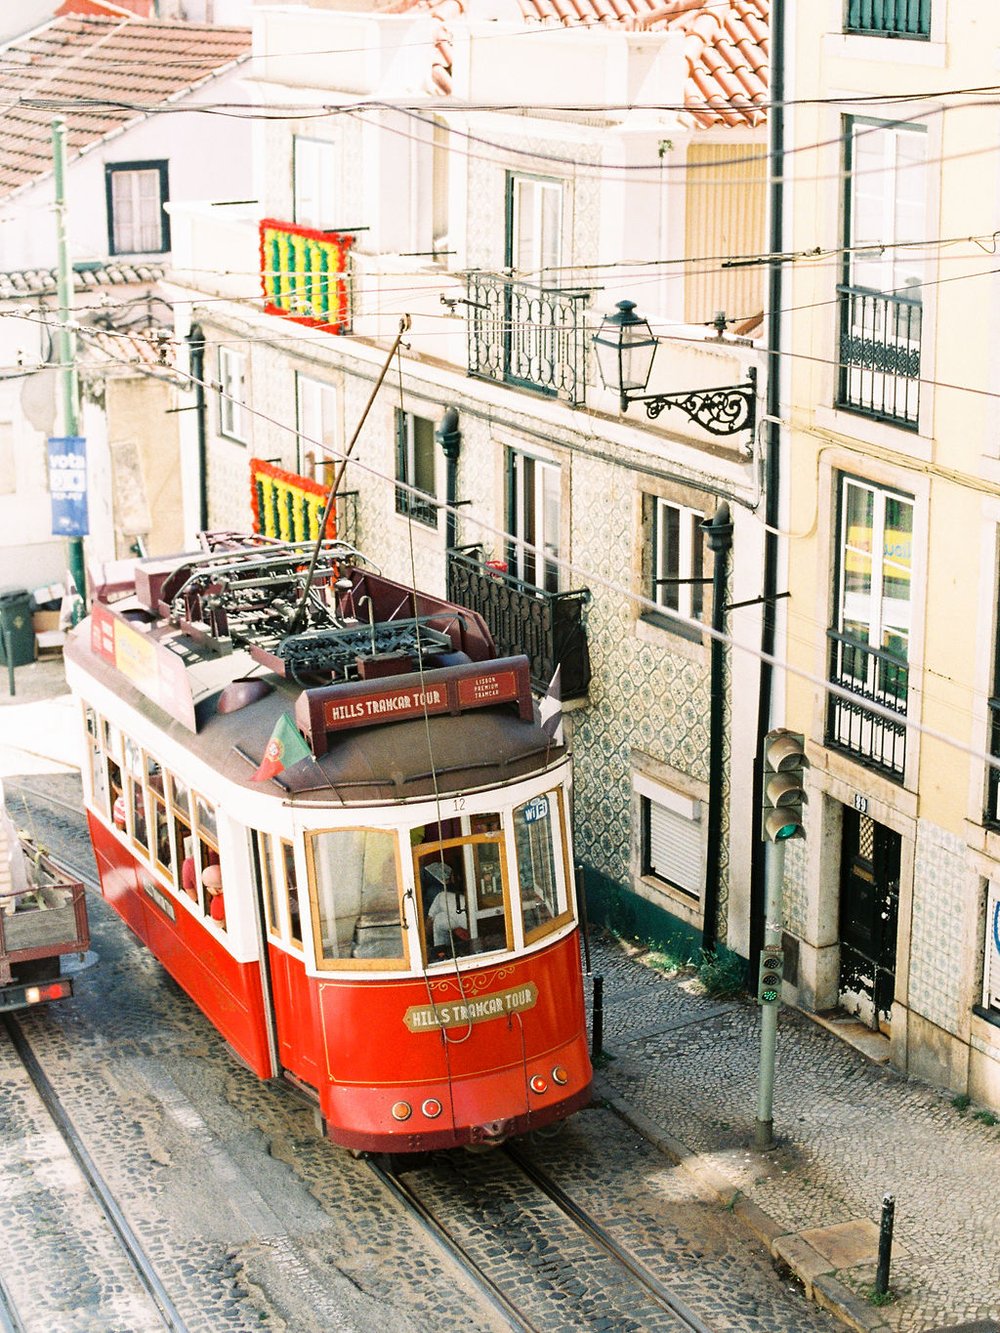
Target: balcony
889, 18
304, 275
879, 366
547, 627
534, 337
877, 677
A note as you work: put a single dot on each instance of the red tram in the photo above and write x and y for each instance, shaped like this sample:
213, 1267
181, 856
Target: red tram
388, 921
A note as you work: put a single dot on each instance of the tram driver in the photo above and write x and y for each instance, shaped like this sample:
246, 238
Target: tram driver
447, 917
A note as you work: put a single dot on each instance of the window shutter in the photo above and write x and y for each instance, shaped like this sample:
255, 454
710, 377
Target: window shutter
675, 849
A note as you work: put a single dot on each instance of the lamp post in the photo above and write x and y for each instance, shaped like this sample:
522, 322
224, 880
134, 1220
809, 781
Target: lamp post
719, 534
625, 346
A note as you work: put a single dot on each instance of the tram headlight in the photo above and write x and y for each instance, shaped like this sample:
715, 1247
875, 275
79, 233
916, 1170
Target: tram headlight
432, 1108
537, 1084
401, 1110
560, 1076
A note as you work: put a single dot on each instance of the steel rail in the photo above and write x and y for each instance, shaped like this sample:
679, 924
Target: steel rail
661, 1294
126, 1237
512, 1317
10, 1320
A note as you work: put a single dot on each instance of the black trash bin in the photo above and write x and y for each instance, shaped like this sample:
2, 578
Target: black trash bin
16, 627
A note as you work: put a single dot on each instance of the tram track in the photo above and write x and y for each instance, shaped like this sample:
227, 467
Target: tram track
167, 1315
629, 1274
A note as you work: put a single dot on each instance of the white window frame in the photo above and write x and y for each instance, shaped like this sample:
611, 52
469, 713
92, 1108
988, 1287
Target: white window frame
677, 551
878, 623
233, 419
535, 516
317, 423
670, 817
314, 182
888, 172
535, 241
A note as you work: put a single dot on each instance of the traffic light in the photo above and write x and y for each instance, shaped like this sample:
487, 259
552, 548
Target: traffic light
772, 962
784, 791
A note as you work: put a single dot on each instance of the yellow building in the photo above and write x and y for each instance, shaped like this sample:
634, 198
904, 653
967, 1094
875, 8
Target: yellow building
891, 458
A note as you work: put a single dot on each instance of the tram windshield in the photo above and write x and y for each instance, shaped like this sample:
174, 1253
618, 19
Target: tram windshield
356, 894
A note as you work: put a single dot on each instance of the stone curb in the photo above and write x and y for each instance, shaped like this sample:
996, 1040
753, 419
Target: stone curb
821, 1287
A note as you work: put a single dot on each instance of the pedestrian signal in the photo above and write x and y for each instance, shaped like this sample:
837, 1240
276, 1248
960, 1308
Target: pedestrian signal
772, 962
784, 793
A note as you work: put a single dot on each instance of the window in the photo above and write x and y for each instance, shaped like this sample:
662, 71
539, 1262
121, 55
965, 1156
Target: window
881, 294
232, 394
137, 222
540, 866
677, 560
317, 424
463, 887
889, 18
416, 461
354, 884
871, 634
533, 518
534, 226
314, 176
672, 837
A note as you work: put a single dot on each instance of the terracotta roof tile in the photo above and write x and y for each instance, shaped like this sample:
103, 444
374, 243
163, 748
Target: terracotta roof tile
78, 64
42, 281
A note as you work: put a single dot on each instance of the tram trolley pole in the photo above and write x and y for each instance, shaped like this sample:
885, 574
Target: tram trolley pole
885, 1244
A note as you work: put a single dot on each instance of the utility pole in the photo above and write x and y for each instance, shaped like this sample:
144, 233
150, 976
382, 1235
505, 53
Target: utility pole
65, 338
719, 534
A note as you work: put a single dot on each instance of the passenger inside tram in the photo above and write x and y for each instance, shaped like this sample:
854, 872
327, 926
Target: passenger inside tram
211, 878
447, 915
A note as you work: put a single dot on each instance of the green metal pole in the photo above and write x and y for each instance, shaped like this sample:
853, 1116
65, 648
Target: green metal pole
65, 338
763, 1137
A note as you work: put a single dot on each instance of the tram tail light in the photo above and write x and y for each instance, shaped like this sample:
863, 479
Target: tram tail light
537, 1084
401, 1110
432, 1108
56, 990
560, 1076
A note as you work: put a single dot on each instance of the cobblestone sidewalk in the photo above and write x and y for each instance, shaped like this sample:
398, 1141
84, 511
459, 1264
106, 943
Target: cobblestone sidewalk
684, 1068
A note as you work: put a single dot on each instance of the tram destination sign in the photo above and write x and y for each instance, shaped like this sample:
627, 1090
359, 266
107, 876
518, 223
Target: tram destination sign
478, 1009
333, 708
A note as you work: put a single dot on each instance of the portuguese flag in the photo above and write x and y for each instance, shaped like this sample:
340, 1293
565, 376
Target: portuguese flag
286, 747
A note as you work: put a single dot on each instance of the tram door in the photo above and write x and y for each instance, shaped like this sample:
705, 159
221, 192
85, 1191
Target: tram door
293, 996
869, 908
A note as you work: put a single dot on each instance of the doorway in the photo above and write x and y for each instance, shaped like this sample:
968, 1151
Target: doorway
869, 912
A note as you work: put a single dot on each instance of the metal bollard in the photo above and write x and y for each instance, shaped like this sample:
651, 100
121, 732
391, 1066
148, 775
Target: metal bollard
597, 1033
885, 1244
8, 649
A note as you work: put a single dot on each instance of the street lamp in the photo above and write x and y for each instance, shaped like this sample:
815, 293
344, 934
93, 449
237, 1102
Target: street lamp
625, 346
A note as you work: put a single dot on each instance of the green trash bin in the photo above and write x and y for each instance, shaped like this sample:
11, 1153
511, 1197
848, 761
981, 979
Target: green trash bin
16, 627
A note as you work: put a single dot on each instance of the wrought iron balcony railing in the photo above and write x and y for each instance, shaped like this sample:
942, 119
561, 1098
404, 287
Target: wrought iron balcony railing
304, 274
889, 18
875, 676
546, 626
879, 365
531, 336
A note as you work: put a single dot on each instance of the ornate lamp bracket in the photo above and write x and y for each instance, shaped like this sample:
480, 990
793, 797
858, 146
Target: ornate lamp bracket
723, 411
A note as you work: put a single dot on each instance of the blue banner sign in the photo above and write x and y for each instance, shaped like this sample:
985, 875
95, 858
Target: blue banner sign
68, 486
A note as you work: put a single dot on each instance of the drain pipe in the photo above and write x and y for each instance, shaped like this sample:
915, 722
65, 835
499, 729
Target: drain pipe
196, 355
772, 475
719, 535
449, 437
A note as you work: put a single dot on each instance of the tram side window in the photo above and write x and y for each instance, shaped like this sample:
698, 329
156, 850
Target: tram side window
537, 835
116, 788
98, 771
355, 886
159, 826
135, 800
292, 893
463, 903
268, 885
185, 868
206, 853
